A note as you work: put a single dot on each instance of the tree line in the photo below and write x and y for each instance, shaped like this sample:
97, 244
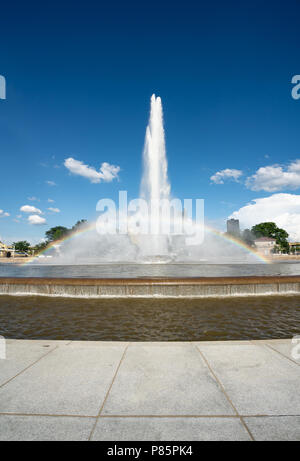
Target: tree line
52, 235
270, 230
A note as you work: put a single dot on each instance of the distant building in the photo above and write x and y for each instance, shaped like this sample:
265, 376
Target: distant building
6, 251
265, 245
233, 227
295, 247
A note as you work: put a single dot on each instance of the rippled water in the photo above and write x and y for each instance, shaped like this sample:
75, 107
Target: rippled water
150, 319
149, 270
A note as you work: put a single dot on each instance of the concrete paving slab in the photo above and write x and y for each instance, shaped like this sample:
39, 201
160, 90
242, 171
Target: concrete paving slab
97, 344
42, 342
220, 343
160, 343
170, 381
44, 428
67, 381
286, 349
165, 429
271, 341
20, 356
166, 381
275, 428
258, 380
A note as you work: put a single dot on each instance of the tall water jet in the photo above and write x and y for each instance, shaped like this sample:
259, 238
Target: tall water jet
155, 184
155, 187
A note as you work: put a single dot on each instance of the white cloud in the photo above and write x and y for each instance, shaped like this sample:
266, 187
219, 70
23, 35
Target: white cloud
106, 173
274, 178
283, 209
50, 200
36, 220
4, 214
51, 183
33, 199
30, 209
54, 210
220, 176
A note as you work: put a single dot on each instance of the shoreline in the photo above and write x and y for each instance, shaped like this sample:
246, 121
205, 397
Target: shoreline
18, 261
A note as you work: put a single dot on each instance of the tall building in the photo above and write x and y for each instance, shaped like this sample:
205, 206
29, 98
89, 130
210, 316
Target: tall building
233, 227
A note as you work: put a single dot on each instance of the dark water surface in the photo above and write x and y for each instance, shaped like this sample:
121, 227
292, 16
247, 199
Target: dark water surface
236, 318
149, 270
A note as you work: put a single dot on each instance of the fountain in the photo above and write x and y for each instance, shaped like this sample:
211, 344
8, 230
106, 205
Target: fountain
167, 222
91, 263
148, 238
155, 186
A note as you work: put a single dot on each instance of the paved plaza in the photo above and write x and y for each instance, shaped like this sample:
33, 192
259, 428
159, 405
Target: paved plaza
62, 390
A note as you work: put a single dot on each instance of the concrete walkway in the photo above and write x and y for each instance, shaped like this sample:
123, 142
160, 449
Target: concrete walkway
59, 390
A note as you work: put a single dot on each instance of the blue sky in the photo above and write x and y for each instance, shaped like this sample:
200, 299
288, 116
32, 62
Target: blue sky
79, 80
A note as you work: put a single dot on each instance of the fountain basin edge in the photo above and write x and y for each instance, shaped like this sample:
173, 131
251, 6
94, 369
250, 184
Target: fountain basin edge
151, 287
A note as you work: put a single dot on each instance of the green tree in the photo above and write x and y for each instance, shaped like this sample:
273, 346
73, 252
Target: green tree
79, 224
269, 229
22, 245
56, 233
39, 247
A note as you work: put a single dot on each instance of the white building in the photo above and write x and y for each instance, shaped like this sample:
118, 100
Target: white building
265, 245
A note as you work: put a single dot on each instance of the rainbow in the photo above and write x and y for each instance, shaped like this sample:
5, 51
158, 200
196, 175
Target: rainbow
73, 235
209, 229
238, 243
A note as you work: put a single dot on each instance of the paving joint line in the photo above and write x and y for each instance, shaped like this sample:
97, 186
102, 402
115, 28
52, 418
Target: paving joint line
225, 393
46, 415
198, 416
108, 391
29, 366
280, 353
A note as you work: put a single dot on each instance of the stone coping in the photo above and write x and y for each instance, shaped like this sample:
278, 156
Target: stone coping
156, 281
